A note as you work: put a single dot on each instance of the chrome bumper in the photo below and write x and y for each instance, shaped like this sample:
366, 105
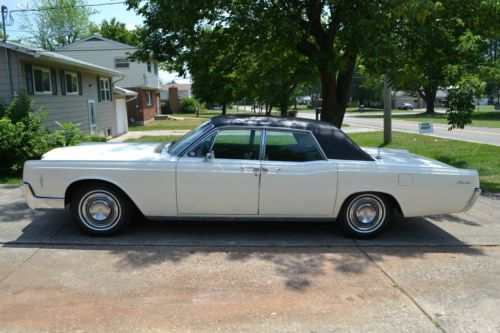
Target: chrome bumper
473, 199
35, 202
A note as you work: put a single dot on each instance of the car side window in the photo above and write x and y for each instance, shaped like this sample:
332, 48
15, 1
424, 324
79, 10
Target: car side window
237, 144
291, 147
204, 147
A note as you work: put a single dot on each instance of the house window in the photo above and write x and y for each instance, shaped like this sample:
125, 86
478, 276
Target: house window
149, 100
42, 80
155, 67
105, 89
122, 63
149, 65
71, 83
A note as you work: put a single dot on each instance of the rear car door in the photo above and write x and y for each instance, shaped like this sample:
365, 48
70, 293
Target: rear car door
228, 183
296, 179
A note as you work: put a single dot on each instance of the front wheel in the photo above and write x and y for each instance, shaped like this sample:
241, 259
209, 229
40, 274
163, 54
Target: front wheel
365, 215
100, 210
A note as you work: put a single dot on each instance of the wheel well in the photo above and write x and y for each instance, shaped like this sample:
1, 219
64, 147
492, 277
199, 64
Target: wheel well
73, 187
392, 201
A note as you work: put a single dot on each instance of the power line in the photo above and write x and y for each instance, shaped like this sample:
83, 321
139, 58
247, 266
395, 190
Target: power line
67, 7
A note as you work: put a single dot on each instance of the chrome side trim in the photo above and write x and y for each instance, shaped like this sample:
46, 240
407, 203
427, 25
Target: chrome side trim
472, 200
35, 202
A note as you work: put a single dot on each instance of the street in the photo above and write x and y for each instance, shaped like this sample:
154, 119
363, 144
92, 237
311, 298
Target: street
437, 274
486, 135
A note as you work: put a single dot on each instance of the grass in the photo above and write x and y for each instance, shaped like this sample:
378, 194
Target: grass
460, 154
163, 138
486, 117
184, 124
11, 180
481, 119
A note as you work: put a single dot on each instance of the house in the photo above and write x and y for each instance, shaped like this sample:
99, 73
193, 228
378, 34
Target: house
183, 90
401, 97
141, 77
72, 90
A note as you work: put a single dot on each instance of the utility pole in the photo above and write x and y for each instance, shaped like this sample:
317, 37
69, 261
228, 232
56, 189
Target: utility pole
4, 11
4, 15
387, 112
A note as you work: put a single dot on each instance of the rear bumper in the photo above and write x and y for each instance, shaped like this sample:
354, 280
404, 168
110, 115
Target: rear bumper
35, 202
472, 200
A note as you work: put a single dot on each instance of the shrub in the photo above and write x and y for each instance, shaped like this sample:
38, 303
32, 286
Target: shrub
68, 134
23, 137
187, 105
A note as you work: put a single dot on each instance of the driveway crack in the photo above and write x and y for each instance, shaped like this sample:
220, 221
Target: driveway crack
402, 290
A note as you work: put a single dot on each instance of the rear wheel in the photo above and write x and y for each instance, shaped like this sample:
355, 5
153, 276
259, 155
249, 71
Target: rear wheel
365, 215
100, 210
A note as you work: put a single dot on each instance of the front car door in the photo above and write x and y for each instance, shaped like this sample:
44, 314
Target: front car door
228, 183
297, 179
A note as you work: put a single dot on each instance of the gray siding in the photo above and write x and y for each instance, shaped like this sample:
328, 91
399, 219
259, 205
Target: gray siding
16, 74
62, 108
104, 53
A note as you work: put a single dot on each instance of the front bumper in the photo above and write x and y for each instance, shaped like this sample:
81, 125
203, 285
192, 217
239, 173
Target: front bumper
472, 200
35, 202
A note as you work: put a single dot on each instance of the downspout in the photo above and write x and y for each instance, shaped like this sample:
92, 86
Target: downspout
126, 100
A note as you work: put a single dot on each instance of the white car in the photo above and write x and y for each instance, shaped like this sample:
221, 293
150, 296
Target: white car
246, 167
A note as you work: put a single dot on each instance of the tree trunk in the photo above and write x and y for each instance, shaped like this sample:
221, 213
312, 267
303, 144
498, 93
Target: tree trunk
429, 95
335, 92
224, 112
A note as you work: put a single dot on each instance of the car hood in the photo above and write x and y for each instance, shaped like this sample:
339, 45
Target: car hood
400, 157
105, 151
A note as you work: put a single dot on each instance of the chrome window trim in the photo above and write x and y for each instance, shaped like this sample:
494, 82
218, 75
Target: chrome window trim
263, 130
316, 143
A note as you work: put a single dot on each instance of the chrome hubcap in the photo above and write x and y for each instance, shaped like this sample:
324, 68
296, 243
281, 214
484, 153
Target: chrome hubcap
99, 210
366, 213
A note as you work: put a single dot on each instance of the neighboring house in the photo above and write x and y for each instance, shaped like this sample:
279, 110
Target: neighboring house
183, 90
401, 97
72, 90
141, 77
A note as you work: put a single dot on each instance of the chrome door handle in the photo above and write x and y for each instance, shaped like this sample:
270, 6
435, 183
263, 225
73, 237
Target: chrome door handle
270, 169
250, 169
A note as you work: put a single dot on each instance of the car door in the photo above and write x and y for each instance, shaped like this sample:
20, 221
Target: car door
296, 179
225, 184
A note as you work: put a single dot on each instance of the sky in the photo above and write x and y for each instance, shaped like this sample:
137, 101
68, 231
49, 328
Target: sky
116, 8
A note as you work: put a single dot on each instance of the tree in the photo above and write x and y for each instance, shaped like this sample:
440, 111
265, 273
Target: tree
330, 35
117, 31
434, 35
57, 23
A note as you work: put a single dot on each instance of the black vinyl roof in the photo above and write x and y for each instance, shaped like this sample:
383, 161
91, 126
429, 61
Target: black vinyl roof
333, 141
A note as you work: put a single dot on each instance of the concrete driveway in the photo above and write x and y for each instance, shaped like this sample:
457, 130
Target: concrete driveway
437, 274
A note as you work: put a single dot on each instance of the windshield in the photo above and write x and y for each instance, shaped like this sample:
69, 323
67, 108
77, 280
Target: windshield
178, 146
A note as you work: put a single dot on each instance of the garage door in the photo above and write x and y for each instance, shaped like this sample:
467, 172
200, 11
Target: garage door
121, 116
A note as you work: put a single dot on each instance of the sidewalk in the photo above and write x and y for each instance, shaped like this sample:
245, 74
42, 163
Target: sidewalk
138, 134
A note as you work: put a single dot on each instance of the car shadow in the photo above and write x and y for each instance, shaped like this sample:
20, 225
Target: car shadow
298, 251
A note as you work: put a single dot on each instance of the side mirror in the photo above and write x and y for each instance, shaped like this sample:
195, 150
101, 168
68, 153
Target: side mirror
210, 156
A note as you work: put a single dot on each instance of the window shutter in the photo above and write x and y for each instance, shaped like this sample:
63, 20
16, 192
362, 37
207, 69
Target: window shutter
29, 80
99, 88
110, 90
53, 77
63, 82
80, 87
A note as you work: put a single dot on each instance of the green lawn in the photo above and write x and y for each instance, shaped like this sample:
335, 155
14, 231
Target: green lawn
184, 124
461, 154
163, 138
482, 118
11, 180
